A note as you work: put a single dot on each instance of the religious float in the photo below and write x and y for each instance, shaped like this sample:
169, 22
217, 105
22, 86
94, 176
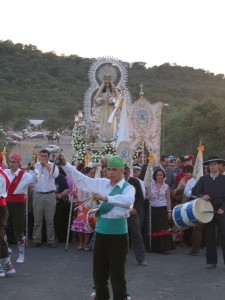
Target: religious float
111, 122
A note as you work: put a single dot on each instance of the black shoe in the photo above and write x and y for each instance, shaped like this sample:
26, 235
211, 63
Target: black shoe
143, 263
193, 253
52, 245
35, 245
210, 266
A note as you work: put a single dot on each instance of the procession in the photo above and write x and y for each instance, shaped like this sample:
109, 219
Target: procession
118, 202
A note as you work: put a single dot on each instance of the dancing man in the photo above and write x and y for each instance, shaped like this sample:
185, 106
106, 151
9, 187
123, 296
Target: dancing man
116, 198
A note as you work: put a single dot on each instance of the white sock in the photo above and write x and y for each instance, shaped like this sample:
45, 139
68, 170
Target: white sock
21, 245
5, 260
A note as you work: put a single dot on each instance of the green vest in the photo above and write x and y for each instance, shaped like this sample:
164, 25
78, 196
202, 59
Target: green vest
111, 226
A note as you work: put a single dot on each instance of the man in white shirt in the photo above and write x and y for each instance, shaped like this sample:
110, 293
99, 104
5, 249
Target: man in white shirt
116, 199
44, 199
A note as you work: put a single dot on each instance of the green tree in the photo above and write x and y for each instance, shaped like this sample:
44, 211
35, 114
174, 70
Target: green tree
37, 85
6, 115
203, 121
53, 123
20, 124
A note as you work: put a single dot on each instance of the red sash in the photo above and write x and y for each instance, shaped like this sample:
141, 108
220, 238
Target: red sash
2, 201
15, 197
6, 178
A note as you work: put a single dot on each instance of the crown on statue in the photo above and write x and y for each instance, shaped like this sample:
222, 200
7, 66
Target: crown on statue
107, 78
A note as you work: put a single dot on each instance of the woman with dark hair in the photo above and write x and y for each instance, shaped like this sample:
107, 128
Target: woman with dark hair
161, 233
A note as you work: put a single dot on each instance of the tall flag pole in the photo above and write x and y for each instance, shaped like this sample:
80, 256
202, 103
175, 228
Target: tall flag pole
87, 159
148, 182
4, 152
198, 167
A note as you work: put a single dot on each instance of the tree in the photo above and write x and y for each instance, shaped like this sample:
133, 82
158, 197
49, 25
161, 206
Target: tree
37, 85
202, 121
20, 124
53, 123
6, 115
140, 65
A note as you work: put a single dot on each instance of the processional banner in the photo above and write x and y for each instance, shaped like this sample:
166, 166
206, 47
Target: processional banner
145, 125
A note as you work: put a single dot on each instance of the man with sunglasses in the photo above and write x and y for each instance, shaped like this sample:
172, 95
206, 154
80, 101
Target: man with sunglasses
44, 199
18, 181
116, 198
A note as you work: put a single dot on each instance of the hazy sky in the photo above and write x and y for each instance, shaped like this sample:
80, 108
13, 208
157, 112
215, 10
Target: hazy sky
185, 32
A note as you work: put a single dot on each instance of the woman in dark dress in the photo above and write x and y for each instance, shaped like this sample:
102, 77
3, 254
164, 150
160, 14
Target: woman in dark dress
161, 233
62, 207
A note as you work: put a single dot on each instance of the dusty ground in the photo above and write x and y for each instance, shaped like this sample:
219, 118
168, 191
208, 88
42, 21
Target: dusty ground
27, 147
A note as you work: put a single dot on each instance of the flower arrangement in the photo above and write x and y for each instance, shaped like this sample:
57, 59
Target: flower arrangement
96, 156
138, 150
78, 145
109, 150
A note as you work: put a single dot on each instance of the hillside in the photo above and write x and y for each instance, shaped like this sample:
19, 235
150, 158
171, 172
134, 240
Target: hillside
37, 85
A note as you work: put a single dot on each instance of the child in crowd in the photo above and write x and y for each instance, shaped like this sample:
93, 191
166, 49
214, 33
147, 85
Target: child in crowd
80, 224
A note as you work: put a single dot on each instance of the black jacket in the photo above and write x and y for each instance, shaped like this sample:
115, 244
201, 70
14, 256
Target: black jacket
139, 198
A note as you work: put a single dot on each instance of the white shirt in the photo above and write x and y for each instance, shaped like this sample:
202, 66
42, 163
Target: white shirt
3, 192
122, 203
24, 182
188, 187
45, 180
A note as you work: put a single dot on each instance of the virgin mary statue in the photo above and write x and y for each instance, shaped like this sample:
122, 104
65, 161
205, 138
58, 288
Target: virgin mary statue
103, 106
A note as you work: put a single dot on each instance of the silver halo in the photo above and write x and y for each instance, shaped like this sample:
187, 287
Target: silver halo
97, 71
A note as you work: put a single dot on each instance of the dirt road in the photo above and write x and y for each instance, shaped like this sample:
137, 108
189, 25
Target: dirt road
26, 148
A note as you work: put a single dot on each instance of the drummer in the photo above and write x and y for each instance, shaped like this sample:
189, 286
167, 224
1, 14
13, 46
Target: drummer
211, 187
116, 199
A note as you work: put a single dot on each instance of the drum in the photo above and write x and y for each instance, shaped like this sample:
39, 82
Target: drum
91, 219
192, 213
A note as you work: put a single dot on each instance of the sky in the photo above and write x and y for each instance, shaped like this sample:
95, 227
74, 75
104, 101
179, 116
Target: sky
183, 32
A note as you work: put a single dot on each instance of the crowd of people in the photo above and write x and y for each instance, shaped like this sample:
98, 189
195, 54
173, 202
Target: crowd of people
113, 211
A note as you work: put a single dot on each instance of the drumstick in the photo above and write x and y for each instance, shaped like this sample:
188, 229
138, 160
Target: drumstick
84, 202
210, 211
